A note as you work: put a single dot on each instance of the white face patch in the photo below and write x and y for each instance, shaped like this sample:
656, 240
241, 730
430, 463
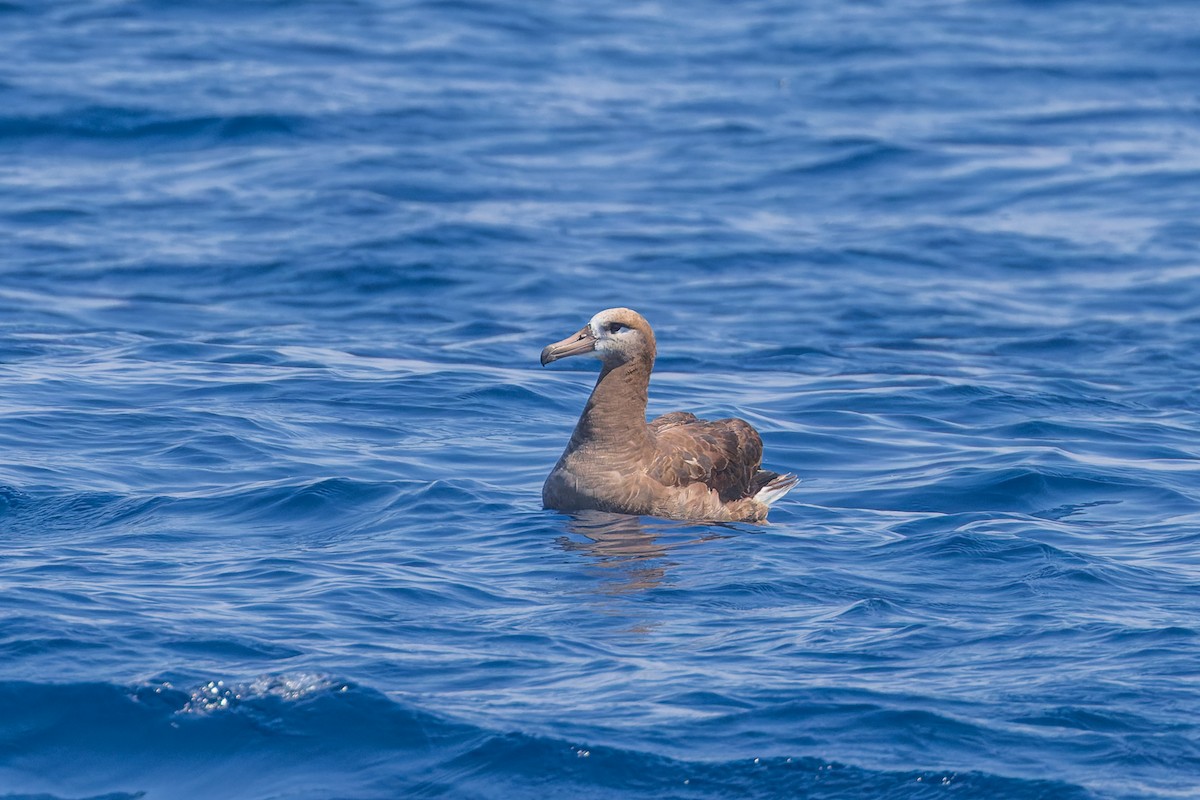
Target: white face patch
599, 325
609, 342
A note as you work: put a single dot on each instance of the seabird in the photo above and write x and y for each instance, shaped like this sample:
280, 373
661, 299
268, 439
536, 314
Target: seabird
675, 466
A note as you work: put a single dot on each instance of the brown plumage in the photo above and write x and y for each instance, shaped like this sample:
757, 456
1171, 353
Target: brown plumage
675, 466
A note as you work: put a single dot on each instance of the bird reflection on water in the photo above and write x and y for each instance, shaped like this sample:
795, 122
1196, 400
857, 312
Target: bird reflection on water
633, 550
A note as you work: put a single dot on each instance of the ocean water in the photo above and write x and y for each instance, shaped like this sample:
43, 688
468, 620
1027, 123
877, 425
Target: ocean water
274, 278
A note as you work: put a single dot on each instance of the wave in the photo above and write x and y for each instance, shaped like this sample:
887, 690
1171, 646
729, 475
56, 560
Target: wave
119, 123
315, 736
1033, 490
331, 508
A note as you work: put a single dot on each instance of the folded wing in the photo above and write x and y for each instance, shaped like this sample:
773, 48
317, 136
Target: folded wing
723, 454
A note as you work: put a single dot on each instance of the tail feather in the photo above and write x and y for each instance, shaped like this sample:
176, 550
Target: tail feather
772, 486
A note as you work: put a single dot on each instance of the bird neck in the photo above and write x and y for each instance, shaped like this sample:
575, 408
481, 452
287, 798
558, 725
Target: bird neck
615, 414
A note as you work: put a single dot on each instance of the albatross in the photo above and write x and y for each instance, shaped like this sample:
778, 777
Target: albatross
675, 466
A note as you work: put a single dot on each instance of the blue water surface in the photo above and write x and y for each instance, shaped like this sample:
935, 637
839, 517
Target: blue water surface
274, 277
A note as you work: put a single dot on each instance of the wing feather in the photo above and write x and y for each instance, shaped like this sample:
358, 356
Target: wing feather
669, 420
723, 454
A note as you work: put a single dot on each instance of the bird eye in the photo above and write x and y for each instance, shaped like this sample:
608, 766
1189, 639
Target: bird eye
613, 327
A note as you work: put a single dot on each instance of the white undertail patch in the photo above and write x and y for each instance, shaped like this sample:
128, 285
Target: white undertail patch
776, 489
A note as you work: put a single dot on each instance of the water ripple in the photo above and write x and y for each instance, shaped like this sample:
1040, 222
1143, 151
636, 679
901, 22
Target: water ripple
274, 283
